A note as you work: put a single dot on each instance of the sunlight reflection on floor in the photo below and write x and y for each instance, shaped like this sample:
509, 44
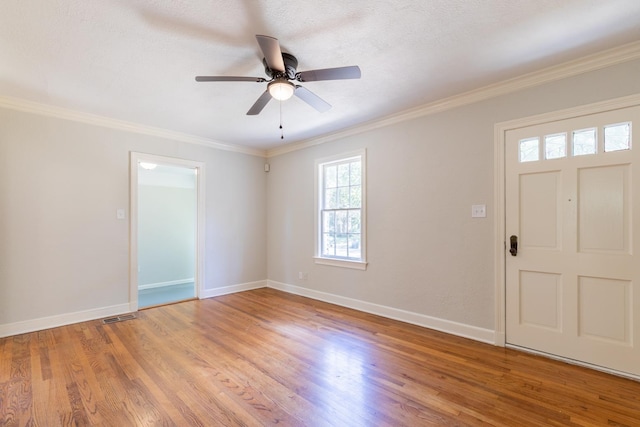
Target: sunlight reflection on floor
344, 371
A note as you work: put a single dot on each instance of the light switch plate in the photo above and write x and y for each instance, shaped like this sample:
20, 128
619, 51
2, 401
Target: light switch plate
120, 214
478, 211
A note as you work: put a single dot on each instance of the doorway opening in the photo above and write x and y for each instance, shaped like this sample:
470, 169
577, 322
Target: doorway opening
166, 224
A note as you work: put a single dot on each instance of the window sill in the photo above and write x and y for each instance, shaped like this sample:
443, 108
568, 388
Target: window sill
356, 265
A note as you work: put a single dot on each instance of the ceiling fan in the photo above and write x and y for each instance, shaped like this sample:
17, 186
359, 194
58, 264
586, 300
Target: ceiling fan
281, 68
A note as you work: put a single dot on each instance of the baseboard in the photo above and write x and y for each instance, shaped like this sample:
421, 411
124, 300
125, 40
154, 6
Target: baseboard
454, 328
442, 325
215, 292
169, 283
61, 320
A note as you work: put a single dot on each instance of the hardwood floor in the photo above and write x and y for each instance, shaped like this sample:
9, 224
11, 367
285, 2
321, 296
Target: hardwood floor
265, 357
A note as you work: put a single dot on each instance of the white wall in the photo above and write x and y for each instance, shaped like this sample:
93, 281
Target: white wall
63, 251
426, 255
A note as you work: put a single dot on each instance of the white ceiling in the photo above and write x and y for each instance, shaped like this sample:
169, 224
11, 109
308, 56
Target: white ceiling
135, 60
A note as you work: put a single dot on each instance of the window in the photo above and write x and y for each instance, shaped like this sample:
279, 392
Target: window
584, 142
617, 137
529, 149
340, 216
555, 146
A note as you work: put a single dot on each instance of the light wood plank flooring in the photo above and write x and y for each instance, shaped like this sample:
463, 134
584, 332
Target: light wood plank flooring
265, 357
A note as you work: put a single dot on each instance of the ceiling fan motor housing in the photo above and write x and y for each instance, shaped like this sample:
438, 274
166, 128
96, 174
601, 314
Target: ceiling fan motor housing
290, 67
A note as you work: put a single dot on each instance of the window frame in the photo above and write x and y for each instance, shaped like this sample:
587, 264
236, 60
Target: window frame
354, 263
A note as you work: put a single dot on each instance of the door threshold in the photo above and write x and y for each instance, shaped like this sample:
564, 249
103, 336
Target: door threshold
166, 303
575, 362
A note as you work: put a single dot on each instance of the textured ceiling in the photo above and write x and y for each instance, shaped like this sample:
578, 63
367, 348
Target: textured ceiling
135, 60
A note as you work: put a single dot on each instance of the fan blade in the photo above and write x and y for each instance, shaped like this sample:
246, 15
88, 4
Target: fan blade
259, 104
229, 79
271, 50
340, 73
312, 99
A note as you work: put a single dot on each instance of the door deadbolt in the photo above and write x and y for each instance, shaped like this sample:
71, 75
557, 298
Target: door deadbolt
514, 246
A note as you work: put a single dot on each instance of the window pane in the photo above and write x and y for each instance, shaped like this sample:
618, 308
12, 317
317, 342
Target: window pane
343, 197
529, 151
584, 142
342, 221
328, 222
356, 173
330, 176
331, 199
354, 246
617, 137
328, 245
356, 197
354, 221
343, 175
341, 245
555, 146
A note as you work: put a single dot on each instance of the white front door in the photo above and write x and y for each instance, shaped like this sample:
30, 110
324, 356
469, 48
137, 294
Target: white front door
572, 201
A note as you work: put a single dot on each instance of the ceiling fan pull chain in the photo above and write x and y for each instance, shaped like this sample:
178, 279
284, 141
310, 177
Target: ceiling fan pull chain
281, 131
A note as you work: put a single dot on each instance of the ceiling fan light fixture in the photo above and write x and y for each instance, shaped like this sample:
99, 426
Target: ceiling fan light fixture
281, 89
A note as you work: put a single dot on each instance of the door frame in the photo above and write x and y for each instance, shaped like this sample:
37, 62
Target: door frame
135, 159
500, 242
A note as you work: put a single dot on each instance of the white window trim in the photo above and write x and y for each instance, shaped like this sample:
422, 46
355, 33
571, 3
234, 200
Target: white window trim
360, 264
339, 262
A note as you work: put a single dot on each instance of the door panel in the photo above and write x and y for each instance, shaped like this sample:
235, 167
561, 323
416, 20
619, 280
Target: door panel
604, 309
541, 298
604, 209
572, 290
540, 220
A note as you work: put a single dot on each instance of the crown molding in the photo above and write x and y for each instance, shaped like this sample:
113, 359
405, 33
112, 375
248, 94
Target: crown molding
607, 58
593, 62
96, 120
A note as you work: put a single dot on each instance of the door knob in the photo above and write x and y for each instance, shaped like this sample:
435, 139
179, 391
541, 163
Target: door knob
514, 245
